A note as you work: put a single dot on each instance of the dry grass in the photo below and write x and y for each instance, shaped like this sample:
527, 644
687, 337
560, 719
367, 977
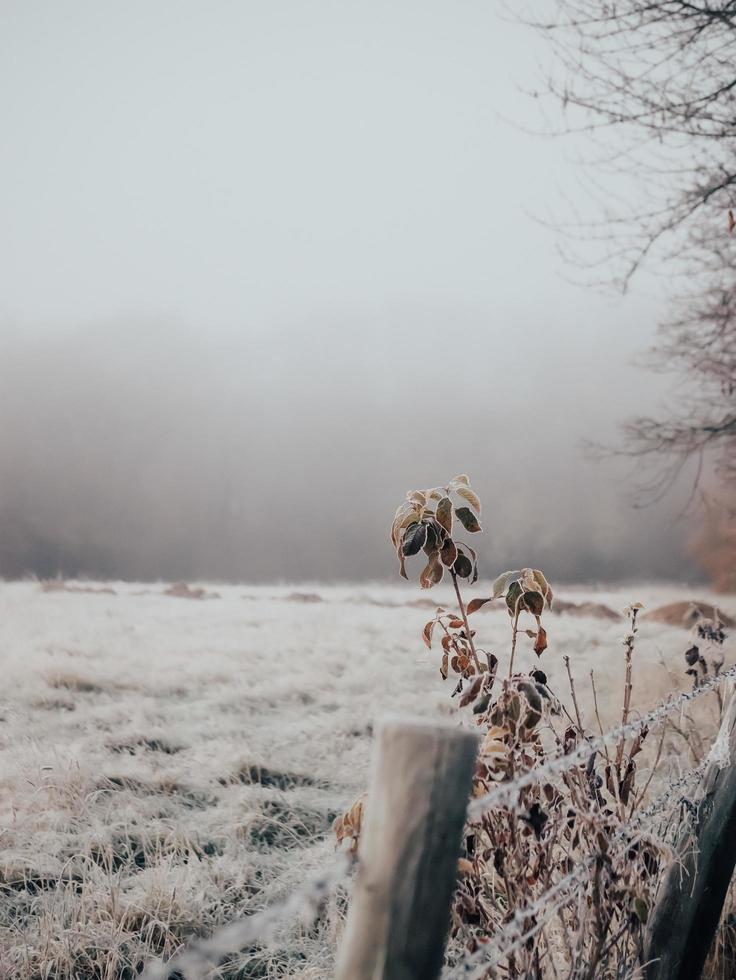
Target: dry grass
166, 766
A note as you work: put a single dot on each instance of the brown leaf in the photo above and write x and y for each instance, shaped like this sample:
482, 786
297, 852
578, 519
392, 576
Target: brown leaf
540, 644
465, 867
444, 514
475, 604
448, 553
534, 602
427, 632
472, 691
467, 518
402, 566
432, 574
471, 496
543, 585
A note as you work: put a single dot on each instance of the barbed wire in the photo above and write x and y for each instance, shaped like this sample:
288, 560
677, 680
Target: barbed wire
203, 955
516, 932
197, 961
506, 792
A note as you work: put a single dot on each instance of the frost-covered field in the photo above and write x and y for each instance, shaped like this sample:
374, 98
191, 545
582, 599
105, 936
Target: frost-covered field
168, 764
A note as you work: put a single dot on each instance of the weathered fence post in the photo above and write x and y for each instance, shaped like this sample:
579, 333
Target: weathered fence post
408, 852
691, 897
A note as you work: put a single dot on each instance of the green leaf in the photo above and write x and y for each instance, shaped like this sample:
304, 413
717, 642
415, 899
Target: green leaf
444, 514
467, 518
512, 597
641, 909
416, 535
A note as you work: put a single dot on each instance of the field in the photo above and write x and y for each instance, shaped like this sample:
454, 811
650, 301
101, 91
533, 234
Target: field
170, 763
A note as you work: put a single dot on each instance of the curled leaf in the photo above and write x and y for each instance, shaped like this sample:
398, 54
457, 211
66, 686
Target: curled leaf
543, 586
540, 644
427, 632
432, 574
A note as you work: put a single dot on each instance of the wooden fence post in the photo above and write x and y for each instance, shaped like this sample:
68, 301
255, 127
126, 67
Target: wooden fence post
691, 897
409, 847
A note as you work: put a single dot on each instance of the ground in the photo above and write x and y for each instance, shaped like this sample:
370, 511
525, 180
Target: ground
170, 763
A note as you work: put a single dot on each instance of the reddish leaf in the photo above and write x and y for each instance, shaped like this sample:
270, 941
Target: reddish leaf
427, 632
476, 604
540, 644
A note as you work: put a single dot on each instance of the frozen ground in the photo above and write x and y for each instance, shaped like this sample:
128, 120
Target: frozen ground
168, 764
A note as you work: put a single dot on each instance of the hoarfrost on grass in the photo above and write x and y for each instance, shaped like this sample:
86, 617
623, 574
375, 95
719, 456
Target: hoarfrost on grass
168, 765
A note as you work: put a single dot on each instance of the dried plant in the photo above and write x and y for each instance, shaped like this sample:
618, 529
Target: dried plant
579, 836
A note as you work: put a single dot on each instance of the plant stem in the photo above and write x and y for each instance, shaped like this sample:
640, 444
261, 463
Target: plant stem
514, 631
629, 647
464, 615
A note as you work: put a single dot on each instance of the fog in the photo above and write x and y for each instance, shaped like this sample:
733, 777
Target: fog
268, 266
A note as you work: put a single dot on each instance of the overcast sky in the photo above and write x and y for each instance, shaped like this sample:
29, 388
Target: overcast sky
267, 265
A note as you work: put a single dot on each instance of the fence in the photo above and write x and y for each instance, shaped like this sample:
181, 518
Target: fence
407, 863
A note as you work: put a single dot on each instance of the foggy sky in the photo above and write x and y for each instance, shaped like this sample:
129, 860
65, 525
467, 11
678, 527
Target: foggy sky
266, 266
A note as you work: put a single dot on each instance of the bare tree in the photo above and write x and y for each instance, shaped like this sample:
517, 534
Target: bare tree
654, 84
